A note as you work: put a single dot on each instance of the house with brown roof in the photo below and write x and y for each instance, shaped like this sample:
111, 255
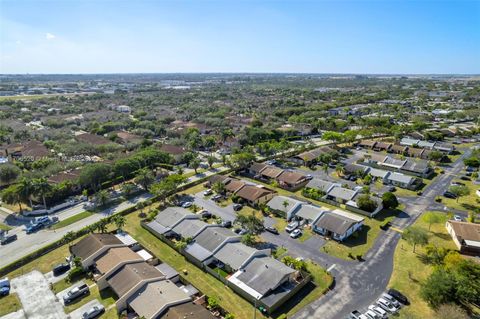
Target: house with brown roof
92, 139
94, 245
398, 149
382, 146
110, 261
156, 298
129, 278
255, 194
124, 137
256, 168
187, 310
415, 152
466, 236
291, 180
33, 150
367, 144
67, 176
174, 150
309, 158
234, 186
271, 172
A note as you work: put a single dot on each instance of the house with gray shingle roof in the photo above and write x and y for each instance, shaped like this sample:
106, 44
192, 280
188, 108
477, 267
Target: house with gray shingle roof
283, 206
338, 224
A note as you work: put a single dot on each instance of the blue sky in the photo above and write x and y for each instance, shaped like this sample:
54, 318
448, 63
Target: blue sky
107, 36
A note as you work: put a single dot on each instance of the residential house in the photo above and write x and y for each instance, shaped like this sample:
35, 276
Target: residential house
124, 138
381, 146
283, 206
370, 144
354, 169
338, 224
415, 152
234, 186
207, 243
426, 144
266, 282
31, 150
378, 174
398, 149
110, 261
310, 158
417, 167
218, 179
89, 248
236, 255
167, 219
466, 236
291, 180
254, 195
175, 151
187, 310
256, 168
321, 185
92, 139
402, 180
341, 195
270, 173
444, 147
410, 142
309, 213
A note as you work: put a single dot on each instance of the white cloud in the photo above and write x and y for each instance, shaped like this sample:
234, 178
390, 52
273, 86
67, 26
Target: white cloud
49, 36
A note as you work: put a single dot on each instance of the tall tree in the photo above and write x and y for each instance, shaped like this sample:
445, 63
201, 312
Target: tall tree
42, 188
11, 196
432, 218
26, 189
415, 236
145, 178
459, 191
9, 173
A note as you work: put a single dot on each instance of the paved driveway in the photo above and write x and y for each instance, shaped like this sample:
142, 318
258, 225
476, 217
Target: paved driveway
37, 299
226, 213
77, 314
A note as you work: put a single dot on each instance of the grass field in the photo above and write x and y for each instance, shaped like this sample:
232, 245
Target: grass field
4, 227
201, 280
72, 219
469, 202
409, 271
9, 304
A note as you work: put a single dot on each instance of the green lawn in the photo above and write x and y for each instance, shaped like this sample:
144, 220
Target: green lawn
106, 297
361, 241
72, 219
4, 227
409, 271
469, 202
9, 304
206, 283
44, 263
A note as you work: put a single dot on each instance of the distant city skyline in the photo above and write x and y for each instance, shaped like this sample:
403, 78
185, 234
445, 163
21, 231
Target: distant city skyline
337, 37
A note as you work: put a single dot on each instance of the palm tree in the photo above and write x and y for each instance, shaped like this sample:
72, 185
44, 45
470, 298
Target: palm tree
340, 170
285, 204
145, 178
325, 168
12, 196
26, 189
42, 188
102, 225
119, 221
102, 197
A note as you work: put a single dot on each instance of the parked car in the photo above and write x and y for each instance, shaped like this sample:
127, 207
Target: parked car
449, 195
398, 295
379, 311
386, 305
392, 300
207, 192
76, 293
372, 315
44, 220
354, 314
391, 189
187, 204
217, 197
227, 224
237, 207
458, 218
271, 162
93, 312
308, 177
8, 239
465, 178
206, 214
296, 233
33, 228
60, 269
4, 287
272, 230
292, 226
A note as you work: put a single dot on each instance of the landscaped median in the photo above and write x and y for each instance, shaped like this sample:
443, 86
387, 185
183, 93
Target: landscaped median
72, 219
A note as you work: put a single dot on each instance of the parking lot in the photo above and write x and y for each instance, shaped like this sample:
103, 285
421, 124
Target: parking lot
37, 299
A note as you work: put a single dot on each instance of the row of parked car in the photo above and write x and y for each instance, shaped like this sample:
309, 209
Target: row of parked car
40, 223
389, 303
